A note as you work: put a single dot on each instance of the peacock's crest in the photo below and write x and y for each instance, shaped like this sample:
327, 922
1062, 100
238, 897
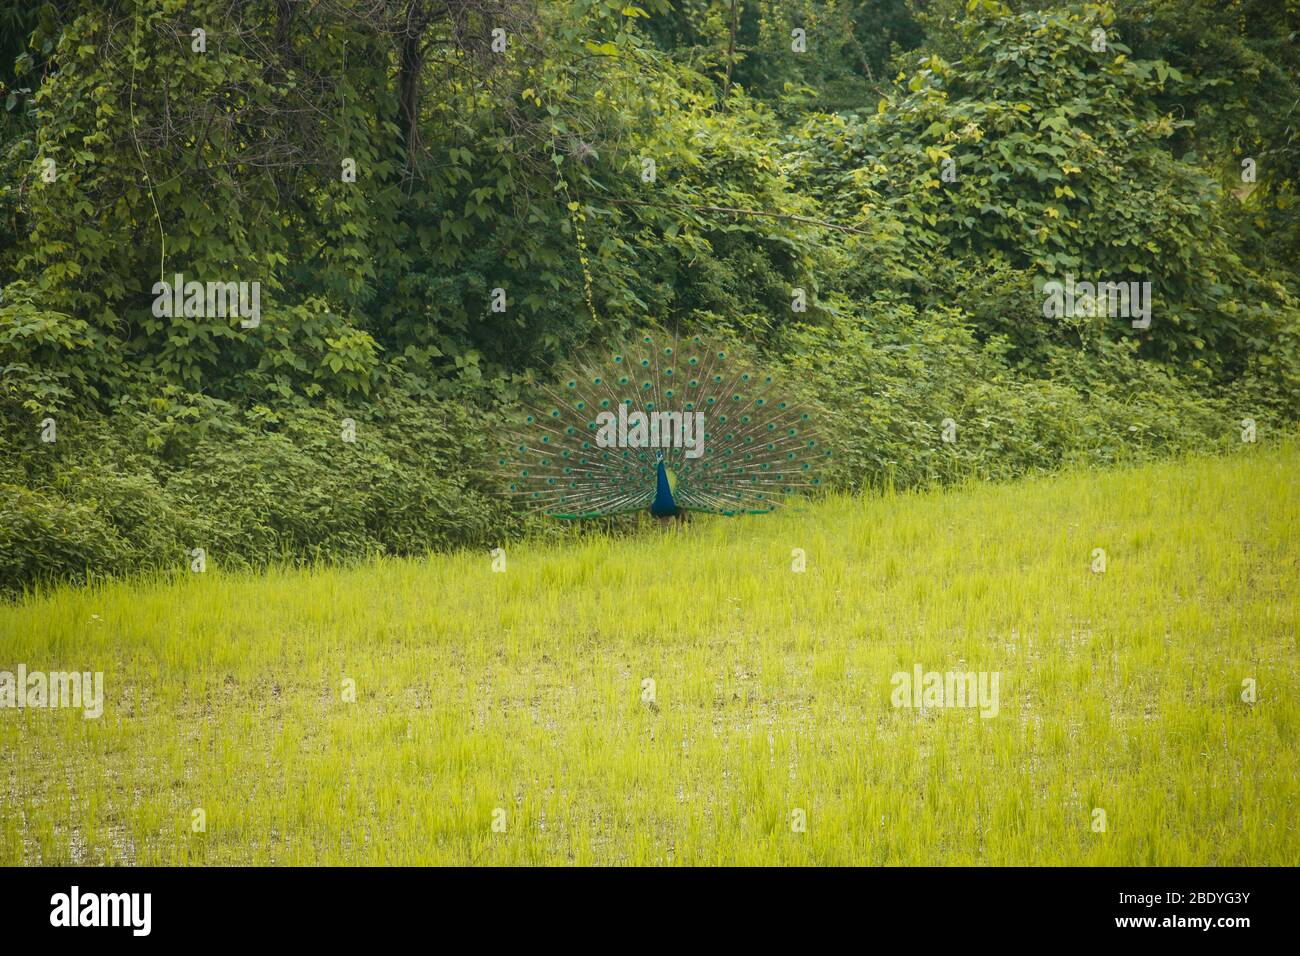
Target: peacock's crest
667, 427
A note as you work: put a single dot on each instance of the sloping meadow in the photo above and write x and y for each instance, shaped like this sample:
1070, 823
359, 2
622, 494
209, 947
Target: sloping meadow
1091, 668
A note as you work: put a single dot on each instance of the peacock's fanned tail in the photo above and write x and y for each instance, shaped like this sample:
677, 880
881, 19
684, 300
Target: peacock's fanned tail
756, 449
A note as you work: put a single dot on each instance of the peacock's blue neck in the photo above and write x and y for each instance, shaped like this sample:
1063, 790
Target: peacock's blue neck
664, 504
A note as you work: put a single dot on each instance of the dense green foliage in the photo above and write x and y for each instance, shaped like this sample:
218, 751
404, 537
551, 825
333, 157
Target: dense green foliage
525, 169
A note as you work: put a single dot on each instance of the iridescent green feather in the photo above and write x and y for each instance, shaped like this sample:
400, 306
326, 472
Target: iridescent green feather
758, 447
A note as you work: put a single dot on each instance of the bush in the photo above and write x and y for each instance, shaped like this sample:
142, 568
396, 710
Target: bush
890, 380
143, 486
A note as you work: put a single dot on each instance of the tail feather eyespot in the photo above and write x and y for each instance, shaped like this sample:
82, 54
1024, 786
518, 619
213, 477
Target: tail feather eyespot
728, 471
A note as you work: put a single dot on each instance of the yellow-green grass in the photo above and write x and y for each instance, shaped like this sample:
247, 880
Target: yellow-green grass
524, 691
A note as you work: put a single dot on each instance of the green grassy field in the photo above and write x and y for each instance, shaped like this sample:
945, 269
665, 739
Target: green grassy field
520, 698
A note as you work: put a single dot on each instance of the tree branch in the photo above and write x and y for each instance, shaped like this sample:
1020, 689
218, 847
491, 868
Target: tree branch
731, 55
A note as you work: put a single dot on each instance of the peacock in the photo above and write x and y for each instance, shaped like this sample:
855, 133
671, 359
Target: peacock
663, 427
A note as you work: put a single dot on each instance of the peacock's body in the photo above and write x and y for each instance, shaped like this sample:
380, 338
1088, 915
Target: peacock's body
661, 428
